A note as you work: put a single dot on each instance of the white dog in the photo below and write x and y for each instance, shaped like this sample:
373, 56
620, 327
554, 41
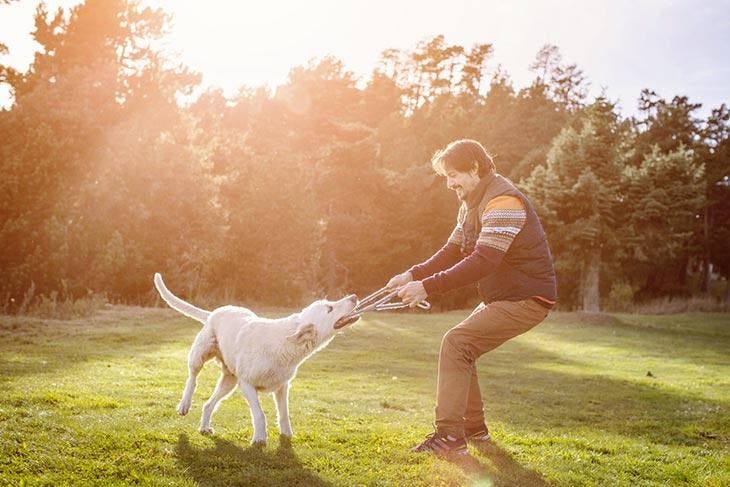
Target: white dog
257, 354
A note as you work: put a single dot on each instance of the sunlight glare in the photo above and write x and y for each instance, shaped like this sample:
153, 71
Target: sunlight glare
251, 43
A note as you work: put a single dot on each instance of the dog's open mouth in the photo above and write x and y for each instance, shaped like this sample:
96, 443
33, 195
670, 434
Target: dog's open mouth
346, 320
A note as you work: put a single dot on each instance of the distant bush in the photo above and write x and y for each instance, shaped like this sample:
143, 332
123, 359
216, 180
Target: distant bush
59, 306
68, 308
667, 305
621, 296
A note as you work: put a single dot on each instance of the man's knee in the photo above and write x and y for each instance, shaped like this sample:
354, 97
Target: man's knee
456, 344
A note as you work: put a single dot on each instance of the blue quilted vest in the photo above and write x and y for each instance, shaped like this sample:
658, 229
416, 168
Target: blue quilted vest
527, 268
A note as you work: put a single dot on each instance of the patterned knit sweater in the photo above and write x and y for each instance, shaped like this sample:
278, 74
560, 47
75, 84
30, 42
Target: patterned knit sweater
464, 260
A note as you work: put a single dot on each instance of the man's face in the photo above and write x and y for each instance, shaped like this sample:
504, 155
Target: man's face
461, 182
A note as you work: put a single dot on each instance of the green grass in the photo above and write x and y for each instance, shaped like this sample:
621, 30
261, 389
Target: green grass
92, 401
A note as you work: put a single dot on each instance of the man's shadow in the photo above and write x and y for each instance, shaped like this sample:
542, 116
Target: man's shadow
502, 469
226, 463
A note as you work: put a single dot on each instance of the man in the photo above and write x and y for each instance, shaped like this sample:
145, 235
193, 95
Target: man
499, 243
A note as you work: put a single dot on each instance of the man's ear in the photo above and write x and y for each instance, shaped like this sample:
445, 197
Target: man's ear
304, 333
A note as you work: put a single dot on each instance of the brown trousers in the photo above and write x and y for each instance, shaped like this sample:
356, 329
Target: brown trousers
458, 399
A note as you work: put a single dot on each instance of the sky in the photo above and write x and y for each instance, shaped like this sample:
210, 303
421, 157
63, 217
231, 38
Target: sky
673, 47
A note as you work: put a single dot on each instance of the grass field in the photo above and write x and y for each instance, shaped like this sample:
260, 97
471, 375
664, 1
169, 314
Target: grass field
579, 400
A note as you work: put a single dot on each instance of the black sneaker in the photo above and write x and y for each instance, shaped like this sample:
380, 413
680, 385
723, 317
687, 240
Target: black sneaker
477, 434
442, 445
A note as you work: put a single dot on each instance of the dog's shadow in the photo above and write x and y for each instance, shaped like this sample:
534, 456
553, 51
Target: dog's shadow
500, 470
227, 463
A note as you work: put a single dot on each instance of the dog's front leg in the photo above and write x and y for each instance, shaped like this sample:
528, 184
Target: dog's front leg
257, 414
282, 409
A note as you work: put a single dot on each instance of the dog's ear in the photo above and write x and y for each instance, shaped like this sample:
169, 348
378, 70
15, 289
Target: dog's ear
304, 333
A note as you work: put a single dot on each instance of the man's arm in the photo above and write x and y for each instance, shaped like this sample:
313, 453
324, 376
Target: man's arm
502, 220
446, 257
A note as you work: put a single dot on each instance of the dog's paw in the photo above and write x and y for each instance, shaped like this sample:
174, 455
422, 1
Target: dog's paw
183, 408
258, 442
285, 441
206, 431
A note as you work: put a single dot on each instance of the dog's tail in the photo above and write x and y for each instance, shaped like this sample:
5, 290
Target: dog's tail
178, 304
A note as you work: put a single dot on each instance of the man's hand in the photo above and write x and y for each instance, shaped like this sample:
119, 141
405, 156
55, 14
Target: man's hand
399, 280
412, 293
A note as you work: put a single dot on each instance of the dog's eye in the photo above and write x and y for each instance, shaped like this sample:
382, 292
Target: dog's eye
329, 308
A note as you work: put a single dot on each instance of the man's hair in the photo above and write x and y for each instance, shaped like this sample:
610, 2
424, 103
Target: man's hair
463, 155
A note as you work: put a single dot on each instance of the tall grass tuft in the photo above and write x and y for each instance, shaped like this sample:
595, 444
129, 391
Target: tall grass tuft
65, 308
56, 305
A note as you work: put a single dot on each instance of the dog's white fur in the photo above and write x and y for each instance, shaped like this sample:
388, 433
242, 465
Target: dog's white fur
257, 354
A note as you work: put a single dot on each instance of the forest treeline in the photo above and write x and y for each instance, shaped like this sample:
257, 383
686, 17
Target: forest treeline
323, 185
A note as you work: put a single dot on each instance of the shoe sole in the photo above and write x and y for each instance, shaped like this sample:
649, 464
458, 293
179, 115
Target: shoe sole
479, 437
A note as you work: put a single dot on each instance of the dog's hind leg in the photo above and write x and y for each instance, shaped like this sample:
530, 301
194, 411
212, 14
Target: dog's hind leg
226, 383
282, 409
257, 414
203, 349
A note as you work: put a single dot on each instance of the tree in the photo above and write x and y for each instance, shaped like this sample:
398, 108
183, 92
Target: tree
577, 194
662, 199
564, 84
667, 125
474, 70
435, 69
715, 153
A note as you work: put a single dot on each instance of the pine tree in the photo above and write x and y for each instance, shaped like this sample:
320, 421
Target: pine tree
577, 194
563, 83
663, 197
715, 153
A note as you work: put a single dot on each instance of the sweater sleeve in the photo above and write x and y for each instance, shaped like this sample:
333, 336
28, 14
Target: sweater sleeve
502, 220
445, 258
